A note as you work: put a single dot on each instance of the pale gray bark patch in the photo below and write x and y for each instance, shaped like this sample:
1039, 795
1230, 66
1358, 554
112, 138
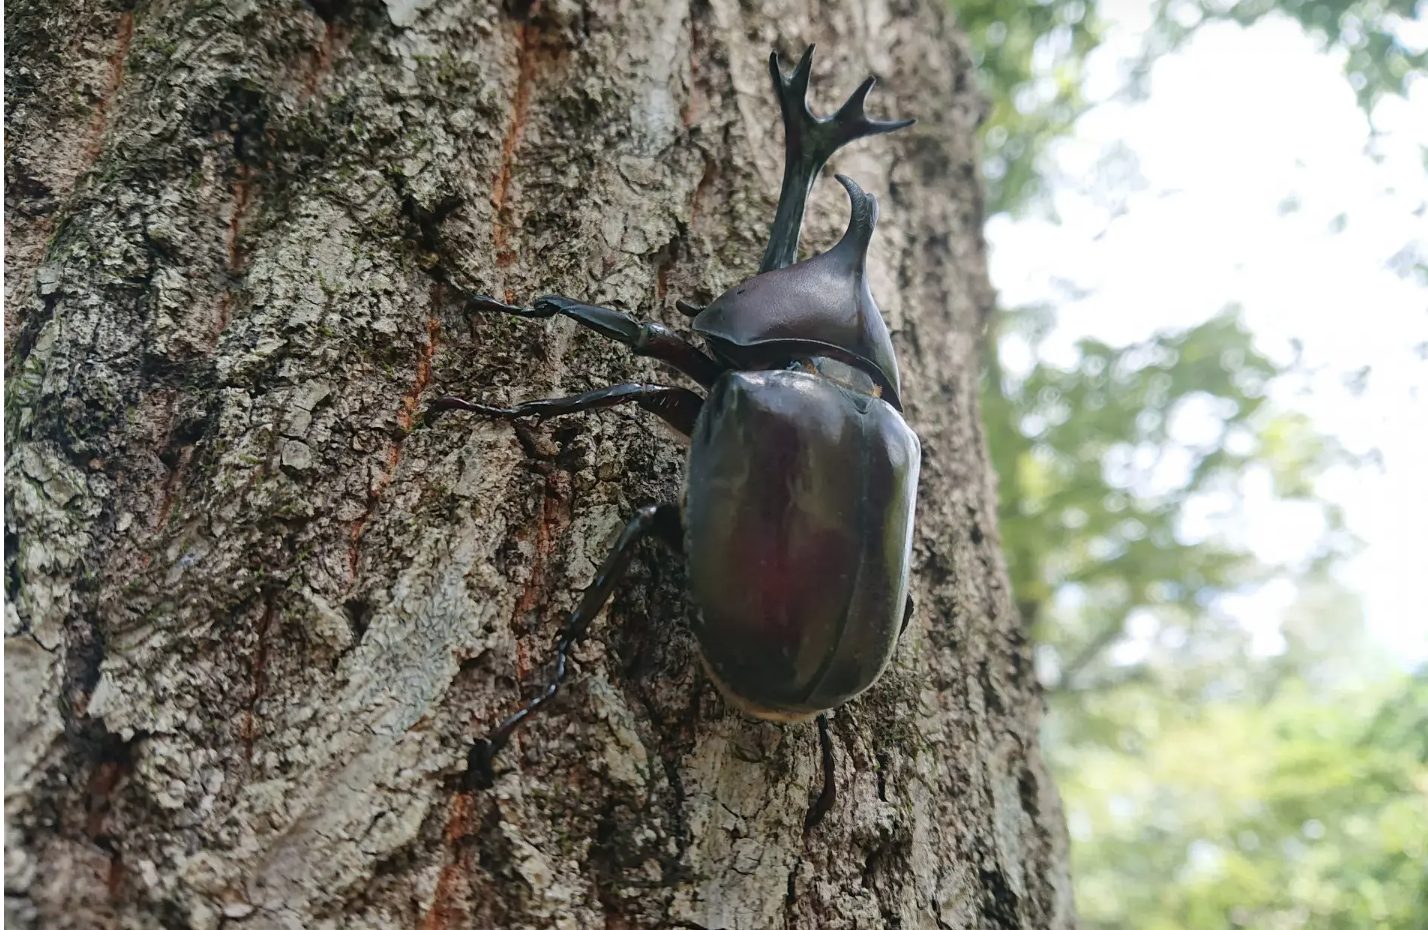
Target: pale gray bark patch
257, 608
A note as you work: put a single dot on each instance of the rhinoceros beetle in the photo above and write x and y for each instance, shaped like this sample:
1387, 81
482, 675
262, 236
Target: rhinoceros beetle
798, 505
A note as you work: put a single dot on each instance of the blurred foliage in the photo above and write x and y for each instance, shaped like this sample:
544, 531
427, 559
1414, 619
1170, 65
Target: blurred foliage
1211, 780
1031, 59
1099, 462
1306, 810
1376, 60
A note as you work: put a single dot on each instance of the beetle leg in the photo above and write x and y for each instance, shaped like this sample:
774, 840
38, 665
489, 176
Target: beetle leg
654, 340
808, 141
661, 520
829, 794
679, 407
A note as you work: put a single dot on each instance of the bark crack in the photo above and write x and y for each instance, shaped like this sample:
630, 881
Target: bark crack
405, 418
248, 118
248, 730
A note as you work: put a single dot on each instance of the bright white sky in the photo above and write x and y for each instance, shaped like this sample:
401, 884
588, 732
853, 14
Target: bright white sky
1239, 124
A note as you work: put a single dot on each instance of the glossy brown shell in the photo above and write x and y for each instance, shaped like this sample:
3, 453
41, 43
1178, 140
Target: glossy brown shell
798, 527
821, 306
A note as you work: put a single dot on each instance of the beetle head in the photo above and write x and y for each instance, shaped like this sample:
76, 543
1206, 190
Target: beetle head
821, 306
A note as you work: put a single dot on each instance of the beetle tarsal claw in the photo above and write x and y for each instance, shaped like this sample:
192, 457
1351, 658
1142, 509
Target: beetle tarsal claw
479, 775
484, 304
541, 308
449, 402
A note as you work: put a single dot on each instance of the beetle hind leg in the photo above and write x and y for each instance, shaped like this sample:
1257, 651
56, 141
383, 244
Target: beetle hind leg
660, 520
829, 794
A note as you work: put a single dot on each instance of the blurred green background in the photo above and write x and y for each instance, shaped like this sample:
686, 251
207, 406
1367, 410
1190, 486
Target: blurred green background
1202, 397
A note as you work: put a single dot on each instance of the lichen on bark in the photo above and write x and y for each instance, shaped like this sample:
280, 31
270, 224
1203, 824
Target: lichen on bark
257, 608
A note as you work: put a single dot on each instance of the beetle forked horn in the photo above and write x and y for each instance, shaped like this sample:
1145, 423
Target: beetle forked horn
808, 142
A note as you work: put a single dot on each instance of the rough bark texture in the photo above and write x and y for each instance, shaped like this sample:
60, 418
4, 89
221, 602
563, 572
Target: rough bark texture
256, 611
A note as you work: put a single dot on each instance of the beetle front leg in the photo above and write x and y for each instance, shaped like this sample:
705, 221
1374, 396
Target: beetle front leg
662, 520
654, 340
679, 407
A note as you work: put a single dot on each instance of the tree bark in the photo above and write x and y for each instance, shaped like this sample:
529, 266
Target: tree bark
257, 610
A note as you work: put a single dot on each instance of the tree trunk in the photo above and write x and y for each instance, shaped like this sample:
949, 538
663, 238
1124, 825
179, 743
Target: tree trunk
257, 611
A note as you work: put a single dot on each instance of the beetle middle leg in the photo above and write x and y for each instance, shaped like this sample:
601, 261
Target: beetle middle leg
661, 520
654, 340
679, 407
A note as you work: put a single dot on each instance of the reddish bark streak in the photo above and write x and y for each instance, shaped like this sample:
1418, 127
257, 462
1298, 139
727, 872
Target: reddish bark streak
170, 486
706, 180
530, 592
520, 110
554, 518
423, 376
406, 417
34, 231
102, 785
694, 106
242, 193
321, 62
100, 121
234, 257
444, 908
114, 880
662, 278
106, 778
249, 730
